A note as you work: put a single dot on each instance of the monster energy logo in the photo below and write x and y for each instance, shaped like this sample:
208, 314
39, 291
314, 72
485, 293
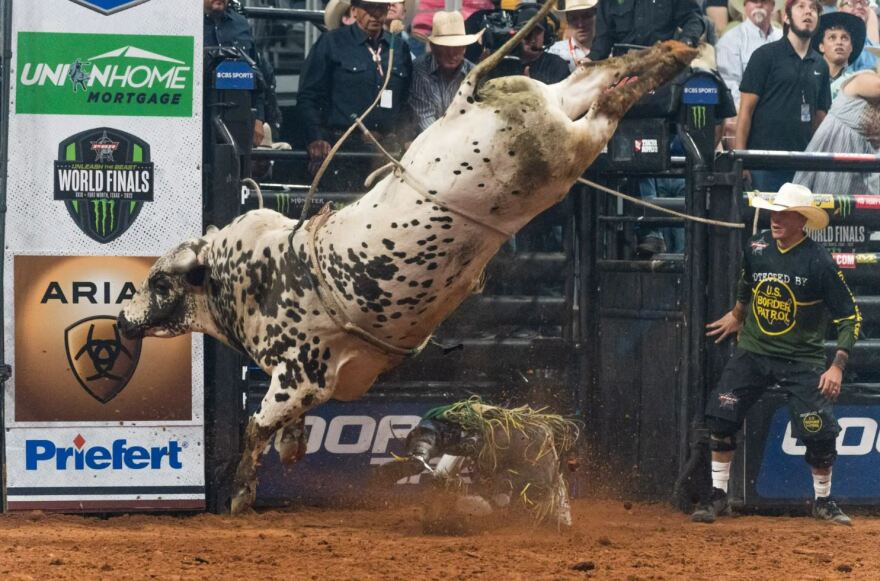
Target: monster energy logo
104, 176
843, 205
102, 215
282, 202
698, 116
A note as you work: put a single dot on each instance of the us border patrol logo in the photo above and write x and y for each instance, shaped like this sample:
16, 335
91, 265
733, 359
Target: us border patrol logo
100, 358
108, 7
812, 422
104, 176
774, 306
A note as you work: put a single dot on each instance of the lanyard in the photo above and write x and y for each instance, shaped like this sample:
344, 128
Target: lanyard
571, 48
377, 58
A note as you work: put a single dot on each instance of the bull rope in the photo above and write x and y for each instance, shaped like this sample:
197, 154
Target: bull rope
334, 308
248, 182
640, 202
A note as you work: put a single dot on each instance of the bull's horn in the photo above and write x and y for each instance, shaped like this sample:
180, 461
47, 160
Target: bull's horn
186, 261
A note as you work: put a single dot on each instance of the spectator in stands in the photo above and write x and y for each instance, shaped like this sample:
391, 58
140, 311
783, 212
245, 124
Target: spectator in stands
400, 11
784, 93
718, 13
580, 18
838, 38
532, 60
852, 126
644, 22
437, 74
790, 289
343, 74
736, 47
866, 60
423, 21
226, 27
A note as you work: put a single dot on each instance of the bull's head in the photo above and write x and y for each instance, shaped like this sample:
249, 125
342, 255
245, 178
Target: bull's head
172, 300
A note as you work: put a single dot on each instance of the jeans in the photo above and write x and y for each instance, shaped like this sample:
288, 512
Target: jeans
653, 188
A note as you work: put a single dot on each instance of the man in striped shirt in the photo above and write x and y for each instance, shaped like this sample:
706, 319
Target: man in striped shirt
437, 74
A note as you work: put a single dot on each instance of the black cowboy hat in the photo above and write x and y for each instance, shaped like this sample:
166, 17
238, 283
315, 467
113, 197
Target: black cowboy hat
526, 10
849, 22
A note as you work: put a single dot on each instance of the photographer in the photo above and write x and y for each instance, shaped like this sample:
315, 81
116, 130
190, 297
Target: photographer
530, 57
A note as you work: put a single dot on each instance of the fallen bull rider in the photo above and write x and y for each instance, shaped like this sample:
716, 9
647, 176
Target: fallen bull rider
513, 457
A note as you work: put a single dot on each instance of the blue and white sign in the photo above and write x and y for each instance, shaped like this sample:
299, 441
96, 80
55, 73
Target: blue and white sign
234, 75
701, 90
345, 442
108, 7
785, 475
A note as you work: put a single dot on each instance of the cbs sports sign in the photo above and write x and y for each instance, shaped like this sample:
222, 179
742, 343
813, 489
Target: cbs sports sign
104, 147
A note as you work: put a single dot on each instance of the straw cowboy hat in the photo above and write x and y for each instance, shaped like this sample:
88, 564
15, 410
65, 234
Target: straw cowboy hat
448, 30
572, 5
795, 198
333, 13
335, 10
739, 6
854, 25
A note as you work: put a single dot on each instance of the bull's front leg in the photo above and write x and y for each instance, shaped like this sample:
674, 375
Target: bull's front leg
290, 442
283, 405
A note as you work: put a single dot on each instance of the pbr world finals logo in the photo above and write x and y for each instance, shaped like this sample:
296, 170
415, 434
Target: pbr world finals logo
103, 176
100, 358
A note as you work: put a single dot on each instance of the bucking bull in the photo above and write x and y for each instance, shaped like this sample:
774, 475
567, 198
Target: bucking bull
326, 308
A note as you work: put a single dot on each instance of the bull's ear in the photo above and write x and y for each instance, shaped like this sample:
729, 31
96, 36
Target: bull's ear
197, 276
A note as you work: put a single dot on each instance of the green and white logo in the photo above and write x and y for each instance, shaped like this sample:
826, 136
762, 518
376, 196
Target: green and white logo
104, 74
104, 176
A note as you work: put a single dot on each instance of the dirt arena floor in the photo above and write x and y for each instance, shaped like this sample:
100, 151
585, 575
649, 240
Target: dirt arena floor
610, 540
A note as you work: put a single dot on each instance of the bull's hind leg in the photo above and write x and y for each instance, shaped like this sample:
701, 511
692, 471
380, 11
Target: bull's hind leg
284, 405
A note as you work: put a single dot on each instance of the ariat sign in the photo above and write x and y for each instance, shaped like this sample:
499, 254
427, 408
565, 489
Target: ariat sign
104, 74
71, 362
118, 456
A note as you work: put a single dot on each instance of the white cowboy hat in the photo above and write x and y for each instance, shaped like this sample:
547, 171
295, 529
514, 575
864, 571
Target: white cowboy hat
335, 9
795, 198
448, 30
333, 13
572, 5
409, 5
739, 6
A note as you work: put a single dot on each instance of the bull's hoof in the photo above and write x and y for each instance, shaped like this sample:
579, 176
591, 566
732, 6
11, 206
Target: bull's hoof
242, 502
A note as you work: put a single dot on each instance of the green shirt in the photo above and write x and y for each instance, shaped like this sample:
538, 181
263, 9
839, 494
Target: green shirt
791, 295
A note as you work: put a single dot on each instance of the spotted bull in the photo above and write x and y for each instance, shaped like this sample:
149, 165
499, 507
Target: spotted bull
326, 308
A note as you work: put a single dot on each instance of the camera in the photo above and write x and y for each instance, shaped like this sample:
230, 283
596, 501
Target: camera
500, 24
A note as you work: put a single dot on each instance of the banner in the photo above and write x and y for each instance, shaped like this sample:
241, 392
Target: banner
346, 442
104, 169
784, 475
